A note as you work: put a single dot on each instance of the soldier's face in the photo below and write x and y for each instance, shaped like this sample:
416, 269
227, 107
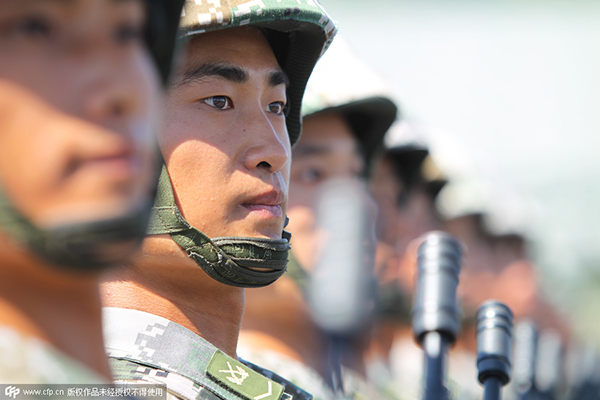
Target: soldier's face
78, 95
225, 141
326, 150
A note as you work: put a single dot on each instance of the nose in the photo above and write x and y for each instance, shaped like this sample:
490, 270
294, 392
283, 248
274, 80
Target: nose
110, 93
113, 89
269, 149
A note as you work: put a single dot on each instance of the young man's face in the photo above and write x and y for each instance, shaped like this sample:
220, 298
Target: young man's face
78, 95
225, 141
327, 150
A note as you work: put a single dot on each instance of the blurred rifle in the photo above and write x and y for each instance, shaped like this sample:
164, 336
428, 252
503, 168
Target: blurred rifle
494, 345
435, 313
583, 371
538, 358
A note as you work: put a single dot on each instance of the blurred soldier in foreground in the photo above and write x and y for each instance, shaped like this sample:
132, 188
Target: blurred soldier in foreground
232, 113
79, 91
342, 130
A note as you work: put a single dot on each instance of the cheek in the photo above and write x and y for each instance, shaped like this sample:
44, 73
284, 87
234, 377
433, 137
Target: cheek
301, 194
145, 82
195, 163
38, 73
28, 142
199, 180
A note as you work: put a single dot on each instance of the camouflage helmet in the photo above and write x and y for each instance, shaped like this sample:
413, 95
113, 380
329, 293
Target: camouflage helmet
406, 147
344, 84
299, 32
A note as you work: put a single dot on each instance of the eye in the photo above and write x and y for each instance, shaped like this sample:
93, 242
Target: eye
33, 26
128, 33
311, 175
219, 102
277, 107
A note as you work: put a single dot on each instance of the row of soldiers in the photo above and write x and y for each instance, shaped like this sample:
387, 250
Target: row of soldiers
147, 180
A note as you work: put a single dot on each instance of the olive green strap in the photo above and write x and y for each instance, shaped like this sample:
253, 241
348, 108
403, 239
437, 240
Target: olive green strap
245, 262
75, 246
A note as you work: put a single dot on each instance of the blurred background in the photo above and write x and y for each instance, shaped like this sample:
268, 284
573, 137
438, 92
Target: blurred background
509, 92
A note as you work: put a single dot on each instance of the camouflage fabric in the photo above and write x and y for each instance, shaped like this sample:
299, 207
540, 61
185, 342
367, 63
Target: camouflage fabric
147, 348
303, 31
25, 360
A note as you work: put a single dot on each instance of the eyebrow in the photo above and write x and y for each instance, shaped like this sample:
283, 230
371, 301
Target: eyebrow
310, 150
277, 78
232, 73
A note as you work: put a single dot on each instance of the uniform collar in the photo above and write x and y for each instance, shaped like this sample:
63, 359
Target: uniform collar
157, 342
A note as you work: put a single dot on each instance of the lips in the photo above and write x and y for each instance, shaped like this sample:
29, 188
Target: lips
267, 204
121, 163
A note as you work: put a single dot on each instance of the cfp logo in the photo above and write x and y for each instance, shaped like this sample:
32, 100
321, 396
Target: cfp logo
12, 391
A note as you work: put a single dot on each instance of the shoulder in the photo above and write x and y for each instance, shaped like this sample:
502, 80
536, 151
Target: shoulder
29, 360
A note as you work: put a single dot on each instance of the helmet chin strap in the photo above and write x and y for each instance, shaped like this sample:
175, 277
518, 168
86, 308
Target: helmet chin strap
235, 261
83, 247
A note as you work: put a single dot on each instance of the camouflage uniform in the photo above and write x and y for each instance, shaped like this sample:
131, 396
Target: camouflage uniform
26, 360
143, 347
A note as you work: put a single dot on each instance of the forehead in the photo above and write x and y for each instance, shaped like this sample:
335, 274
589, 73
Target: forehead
326, 133
243, 46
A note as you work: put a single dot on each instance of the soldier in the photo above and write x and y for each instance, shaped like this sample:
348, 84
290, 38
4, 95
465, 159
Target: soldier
405, 184
342, 130
232, 113
79, 90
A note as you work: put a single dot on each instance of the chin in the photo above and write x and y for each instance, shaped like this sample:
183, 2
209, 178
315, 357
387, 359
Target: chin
91, 212
269, 233
262, 234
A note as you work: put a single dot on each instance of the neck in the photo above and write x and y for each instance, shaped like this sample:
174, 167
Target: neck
277, 318
177, 289
59, 308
